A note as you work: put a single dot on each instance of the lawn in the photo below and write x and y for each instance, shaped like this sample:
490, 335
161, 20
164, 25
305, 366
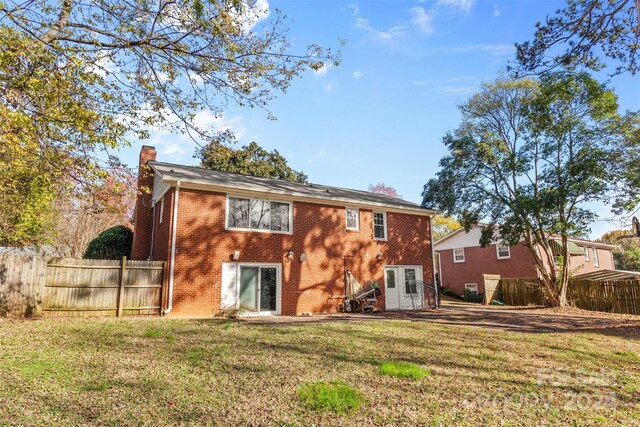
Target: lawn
164, 372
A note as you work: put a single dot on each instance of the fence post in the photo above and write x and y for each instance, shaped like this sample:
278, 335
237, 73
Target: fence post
123, 270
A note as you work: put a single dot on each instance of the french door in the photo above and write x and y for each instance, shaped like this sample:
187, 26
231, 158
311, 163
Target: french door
259, 286
403, 287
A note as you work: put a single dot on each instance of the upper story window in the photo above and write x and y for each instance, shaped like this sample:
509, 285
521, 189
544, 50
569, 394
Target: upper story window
586, 254
458, 255
379, 226
596, 262
259, 215
353, 219
504, 251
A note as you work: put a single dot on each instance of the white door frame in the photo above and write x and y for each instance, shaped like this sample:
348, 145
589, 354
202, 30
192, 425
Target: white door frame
278, 268
400, 286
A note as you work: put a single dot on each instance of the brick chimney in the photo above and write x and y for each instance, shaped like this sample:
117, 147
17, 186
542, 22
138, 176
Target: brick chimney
143, 220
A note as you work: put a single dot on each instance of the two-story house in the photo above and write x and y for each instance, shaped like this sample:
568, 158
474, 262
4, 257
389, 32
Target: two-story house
463, 262
269, 246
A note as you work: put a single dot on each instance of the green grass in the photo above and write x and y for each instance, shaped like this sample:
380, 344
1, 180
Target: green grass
152, 371
335, 396
404, 370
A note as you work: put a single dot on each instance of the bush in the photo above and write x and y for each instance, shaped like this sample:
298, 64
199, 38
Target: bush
335, 396
472, 296
450, 293
113, 243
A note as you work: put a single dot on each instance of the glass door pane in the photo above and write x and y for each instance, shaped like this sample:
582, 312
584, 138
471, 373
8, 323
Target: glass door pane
249, 289
268, 284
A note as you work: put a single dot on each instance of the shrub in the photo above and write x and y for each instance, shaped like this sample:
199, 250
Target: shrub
404, 370
472, 296
113, 243
334, 396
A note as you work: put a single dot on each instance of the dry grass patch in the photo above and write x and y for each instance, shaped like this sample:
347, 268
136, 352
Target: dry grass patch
135, 371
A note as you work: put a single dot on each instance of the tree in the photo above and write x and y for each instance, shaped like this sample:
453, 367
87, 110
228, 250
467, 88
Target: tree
113, 243
79, 79
82, 216
580, 31
527, 157
627, 255
249, 160
443, 225
381, 188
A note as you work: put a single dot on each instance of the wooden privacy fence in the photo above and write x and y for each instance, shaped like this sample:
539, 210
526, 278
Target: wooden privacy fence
613, 296
70, 287
21, 284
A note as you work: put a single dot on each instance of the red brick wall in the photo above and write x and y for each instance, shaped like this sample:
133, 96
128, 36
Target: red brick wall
143, 214
479, 261
319, 231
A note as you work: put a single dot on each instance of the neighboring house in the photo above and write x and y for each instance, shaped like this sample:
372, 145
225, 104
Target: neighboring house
270, 246
462, 262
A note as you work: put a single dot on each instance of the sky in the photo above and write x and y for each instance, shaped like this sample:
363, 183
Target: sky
380, 116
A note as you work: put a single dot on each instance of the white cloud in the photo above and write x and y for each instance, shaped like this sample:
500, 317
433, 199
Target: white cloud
319, 155
252, 13
330, 86
492, 49
393, 33
461, 5
421, 19
355, 8
322, 71
357, 74
497, 11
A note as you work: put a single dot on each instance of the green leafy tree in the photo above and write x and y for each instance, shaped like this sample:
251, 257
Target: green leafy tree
527, 157
249, 160
443, 225
113, 243
577, 33
78, 80
627, 255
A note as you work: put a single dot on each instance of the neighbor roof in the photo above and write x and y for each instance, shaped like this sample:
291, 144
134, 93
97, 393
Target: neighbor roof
173, 173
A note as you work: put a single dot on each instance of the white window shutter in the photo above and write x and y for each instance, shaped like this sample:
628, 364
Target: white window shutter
228, 297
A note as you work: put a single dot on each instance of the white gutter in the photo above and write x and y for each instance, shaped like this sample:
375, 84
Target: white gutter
174, 227
433, 261
153, 232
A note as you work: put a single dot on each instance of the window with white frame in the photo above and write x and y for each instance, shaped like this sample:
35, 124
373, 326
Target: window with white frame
503, 251
258, 215
458, 255
471, 287
596, 262
161, 210
586, 254
379, 226
410, 281
353, 219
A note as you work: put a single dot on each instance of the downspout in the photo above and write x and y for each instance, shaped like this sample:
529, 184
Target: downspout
174, 227
153, 232
433, 262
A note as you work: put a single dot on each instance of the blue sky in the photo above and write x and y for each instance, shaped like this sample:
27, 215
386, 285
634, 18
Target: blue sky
380, 116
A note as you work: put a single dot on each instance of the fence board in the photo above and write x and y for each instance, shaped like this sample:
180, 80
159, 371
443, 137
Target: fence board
30, 284
103, 287
613, 296
21, 284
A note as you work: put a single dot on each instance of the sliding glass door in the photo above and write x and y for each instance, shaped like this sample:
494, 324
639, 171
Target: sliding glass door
258, 289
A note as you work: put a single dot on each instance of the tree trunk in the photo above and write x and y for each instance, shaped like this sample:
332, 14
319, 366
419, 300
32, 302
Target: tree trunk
565, 272
546, 271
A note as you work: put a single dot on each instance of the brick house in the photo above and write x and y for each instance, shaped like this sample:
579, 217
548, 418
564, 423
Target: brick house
462, 262
271, 246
